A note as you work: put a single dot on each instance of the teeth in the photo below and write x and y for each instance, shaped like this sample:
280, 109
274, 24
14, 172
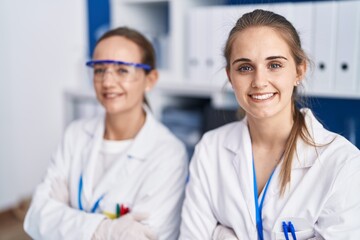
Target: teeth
263, 96
110, 95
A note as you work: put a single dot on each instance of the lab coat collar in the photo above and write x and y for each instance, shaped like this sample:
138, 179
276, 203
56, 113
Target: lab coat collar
143, 141
304, 156
95, 129
238, 137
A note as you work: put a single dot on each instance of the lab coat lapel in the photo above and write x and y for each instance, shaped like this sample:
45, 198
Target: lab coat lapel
239, 142
304, 156
273, 188
302, 159
90, 156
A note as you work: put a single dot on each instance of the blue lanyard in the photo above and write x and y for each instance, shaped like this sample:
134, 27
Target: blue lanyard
96, 205
258, 208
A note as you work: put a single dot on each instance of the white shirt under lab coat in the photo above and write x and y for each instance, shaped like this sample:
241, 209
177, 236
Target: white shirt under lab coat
152, 180
323, 198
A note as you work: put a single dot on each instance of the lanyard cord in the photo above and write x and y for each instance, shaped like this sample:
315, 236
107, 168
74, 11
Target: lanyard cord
258, 209
96, 205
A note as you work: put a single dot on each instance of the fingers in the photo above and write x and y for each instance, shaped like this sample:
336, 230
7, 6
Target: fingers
137, 231
147, 232
150, 234
221, 233
130, 227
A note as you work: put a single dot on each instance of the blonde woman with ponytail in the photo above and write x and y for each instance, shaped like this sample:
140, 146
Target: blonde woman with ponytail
277, 173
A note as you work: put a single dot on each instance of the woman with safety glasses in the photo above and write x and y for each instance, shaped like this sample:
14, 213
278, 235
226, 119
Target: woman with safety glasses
120, 175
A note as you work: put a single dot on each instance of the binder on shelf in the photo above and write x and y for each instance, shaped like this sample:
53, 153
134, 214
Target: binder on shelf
347, 47
197, 42
160, 43
303, 21
324, 36
220, 28
215, 61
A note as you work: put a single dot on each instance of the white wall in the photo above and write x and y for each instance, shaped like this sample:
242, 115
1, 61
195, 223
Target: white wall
43, 45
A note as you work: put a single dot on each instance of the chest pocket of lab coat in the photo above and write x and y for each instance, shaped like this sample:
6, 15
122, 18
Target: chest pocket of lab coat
303, 229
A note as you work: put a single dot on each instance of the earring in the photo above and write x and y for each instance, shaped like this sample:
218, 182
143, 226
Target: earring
297, 83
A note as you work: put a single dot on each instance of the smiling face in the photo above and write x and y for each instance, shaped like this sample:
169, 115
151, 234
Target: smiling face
118, 96
263, 73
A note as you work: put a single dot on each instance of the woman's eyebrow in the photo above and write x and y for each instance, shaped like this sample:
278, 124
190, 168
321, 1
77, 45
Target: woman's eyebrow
276, 57
241, 60
268, 58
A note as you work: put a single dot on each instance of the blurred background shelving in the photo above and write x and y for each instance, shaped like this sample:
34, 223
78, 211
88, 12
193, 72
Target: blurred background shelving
45, 85
189, 36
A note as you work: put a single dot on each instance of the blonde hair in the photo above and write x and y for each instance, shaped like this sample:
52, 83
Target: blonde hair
262, 18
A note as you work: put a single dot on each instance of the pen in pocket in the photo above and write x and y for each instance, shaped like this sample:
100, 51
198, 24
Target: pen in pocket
289, 228
121, 210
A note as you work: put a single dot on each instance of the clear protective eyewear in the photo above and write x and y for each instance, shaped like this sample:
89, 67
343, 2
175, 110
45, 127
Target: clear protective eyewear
122, 71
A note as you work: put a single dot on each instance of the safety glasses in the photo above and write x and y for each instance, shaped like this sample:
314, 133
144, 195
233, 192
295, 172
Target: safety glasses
119, 70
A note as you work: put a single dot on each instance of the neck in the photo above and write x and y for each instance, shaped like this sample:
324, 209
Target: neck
124, 126
270, 133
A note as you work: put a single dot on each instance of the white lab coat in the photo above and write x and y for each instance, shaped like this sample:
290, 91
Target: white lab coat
152, 180
323, 198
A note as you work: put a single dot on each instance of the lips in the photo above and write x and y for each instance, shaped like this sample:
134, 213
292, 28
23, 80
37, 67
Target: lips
263, 96
112, 95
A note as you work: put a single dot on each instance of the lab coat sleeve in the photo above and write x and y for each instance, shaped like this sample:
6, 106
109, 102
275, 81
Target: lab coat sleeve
50, 217
164, 190
198, 220
339, 218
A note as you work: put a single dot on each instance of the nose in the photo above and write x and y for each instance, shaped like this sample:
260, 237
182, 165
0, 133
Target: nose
260, 79
108, 77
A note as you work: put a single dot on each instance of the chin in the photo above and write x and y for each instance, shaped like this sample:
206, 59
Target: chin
113, 109
262, 114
